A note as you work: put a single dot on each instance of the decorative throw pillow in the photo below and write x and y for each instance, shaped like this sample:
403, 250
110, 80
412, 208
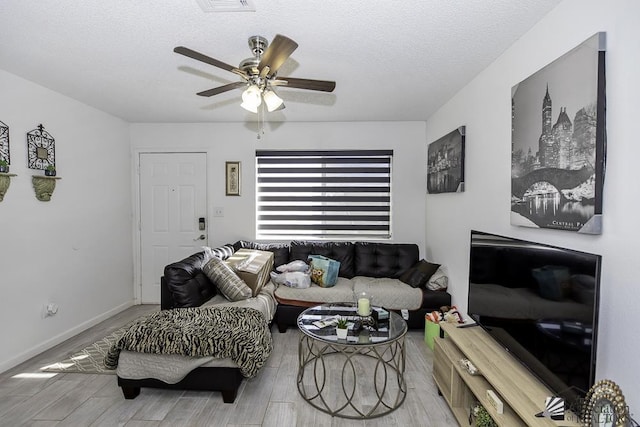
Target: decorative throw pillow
418, 275
222, 252
439, 281
227, 281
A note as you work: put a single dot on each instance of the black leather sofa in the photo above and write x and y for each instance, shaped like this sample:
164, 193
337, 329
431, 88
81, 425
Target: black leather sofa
184, 284
370, 259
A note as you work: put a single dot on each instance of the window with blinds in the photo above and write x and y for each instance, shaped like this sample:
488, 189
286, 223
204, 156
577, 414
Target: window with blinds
341, 194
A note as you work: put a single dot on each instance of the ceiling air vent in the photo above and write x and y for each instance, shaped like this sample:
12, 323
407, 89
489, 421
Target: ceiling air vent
227, 5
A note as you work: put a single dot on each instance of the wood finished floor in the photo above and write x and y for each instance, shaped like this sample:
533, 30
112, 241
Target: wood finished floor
270, 399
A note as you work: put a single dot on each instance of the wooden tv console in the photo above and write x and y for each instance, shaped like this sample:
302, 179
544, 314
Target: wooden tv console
522, 394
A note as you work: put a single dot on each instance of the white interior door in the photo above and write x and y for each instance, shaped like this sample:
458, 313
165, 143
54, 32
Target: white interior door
173, 199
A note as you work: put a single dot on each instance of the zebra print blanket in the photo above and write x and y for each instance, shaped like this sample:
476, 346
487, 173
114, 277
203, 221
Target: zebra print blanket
238, 333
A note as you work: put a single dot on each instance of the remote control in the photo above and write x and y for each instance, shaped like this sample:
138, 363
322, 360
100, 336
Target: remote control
467, 325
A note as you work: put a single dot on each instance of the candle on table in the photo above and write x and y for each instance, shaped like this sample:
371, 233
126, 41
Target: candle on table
364, 308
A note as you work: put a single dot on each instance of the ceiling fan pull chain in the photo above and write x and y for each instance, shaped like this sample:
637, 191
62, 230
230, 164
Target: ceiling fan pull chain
260, 121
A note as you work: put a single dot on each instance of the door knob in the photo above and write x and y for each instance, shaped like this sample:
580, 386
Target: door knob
202, 237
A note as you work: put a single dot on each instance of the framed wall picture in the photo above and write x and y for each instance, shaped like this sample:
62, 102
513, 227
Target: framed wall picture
445, 163
232, 178
558, 142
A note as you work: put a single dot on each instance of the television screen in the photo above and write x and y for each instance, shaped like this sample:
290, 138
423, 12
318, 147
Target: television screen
540, 302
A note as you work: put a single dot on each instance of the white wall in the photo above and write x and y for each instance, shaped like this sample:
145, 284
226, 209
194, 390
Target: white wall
75, 250
233, 141
484, 106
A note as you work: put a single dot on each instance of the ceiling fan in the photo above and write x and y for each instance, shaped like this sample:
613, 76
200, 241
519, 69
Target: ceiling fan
259, 73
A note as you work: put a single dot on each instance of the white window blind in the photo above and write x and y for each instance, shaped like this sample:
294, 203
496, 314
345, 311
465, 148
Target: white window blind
323, 194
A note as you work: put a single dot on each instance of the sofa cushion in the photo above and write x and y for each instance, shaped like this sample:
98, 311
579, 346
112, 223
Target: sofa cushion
188, 286
315, 295
391, 294
418, 275
384, 259
227, 281
339, 251
280, 250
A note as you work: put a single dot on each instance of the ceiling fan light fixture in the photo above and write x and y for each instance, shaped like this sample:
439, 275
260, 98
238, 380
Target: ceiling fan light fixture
272, 101
252, 95
251, 98
250, 107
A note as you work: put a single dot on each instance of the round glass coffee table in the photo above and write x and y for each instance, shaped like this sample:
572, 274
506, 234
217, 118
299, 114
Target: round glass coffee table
359, 377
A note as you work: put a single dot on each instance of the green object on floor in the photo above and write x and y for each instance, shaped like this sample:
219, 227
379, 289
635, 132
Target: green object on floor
431, 331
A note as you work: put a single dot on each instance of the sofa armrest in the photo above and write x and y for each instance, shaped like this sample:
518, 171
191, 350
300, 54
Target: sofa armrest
166, 298
433, 300
184, 284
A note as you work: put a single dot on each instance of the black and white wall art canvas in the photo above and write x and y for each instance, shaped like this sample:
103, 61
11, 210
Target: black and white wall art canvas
445, 163
558, 142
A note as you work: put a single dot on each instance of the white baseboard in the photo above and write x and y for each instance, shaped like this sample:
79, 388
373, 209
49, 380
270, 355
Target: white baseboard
53, 341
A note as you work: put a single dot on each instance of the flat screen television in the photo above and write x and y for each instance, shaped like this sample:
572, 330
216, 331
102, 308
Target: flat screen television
539, 302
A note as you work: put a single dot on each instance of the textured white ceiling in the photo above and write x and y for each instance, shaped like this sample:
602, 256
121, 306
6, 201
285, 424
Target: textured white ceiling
391, 60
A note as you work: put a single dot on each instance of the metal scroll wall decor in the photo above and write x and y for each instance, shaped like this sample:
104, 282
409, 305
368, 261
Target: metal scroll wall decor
5, 160
41, 155
4, 143
41, 149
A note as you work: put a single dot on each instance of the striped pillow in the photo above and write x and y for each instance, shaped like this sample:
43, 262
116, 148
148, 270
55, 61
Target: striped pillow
226, 280
222, 252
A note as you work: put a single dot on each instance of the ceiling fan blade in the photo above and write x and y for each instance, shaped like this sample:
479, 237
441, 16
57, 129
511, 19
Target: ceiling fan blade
221, 89
321, 85
278, 51
204, 58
